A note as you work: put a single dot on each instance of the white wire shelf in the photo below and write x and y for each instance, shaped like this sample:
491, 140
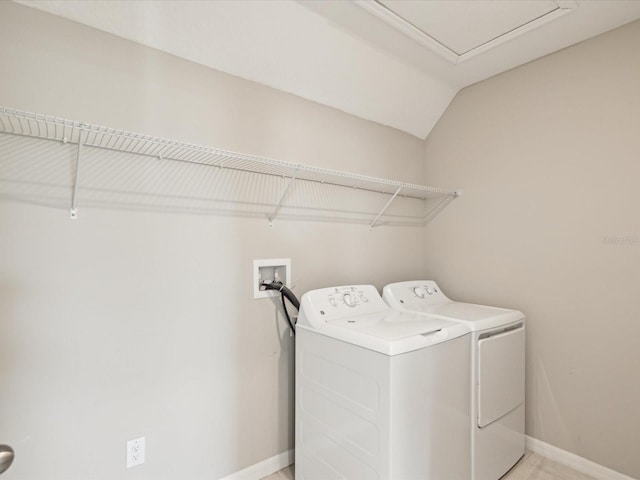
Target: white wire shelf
132, 170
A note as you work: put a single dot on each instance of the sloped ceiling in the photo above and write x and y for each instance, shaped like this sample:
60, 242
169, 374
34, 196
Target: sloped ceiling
398, 63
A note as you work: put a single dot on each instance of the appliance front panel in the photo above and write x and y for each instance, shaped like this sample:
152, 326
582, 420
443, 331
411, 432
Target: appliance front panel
500, 374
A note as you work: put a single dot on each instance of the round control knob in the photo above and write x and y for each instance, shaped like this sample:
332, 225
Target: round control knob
430, 290
419, 292
363, 298
332, 302
349, 300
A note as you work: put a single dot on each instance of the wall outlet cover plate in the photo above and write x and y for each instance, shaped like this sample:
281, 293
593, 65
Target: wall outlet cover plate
135, 452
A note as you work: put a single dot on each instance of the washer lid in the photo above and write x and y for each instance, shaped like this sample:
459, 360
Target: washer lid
391, 332
370, 323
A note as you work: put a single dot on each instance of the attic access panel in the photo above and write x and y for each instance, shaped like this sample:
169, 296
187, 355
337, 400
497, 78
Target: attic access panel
461, 29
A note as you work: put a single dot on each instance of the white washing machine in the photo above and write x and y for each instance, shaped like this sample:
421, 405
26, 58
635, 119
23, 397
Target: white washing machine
380, 394
498, 372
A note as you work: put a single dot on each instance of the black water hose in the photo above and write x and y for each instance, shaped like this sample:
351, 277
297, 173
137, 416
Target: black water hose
289, 295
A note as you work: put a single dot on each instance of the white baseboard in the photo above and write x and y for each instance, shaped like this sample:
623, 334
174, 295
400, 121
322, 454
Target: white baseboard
579, 464
264, 468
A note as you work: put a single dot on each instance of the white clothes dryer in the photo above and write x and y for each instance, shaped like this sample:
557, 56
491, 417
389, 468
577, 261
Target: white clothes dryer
380, 394
497, 371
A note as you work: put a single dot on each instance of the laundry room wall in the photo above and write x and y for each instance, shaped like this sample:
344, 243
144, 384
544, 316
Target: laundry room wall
128, 323
547, 158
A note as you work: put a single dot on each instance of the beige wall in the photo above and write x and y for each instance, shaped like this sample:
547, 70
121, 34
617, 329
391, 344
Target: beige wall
548, 158
127, 323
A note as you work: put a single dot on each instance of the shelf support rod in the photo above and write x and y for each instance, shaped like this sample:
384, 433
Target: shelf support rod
76, 179
281, 200
372, 224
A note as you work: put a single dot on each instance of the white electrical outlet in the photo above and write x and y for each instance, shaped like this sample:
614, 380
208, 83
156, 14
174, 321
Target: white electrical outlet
278, 269
135, 452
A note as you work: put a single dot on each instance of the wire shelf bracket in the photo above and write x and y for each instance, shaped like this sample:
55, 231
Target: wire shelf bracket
280, 202
384, 209
76, 179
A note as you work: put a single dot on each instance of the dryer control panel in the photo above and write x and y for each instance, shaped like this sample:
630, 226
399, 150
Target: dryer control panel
414, 294
328, 304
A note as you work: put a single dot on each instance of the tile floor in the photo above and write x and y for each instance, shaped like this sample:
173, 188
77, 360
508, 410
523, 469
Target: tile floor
531, 467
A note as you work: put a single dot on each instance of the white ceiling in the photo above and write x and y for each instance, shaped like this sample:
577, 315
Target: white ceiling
395, 62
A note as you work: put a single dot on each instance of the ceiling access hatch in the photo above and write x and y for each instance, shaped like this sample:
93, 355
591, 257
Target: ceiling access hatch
458, 30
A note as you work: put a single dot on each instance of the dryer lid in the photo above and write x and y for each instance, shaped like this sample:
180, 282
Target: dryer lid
424, 296
476, 317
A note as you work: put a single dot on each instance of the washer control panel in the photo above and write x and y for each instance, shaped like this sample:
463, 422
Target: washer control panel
348, 296
333, 303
